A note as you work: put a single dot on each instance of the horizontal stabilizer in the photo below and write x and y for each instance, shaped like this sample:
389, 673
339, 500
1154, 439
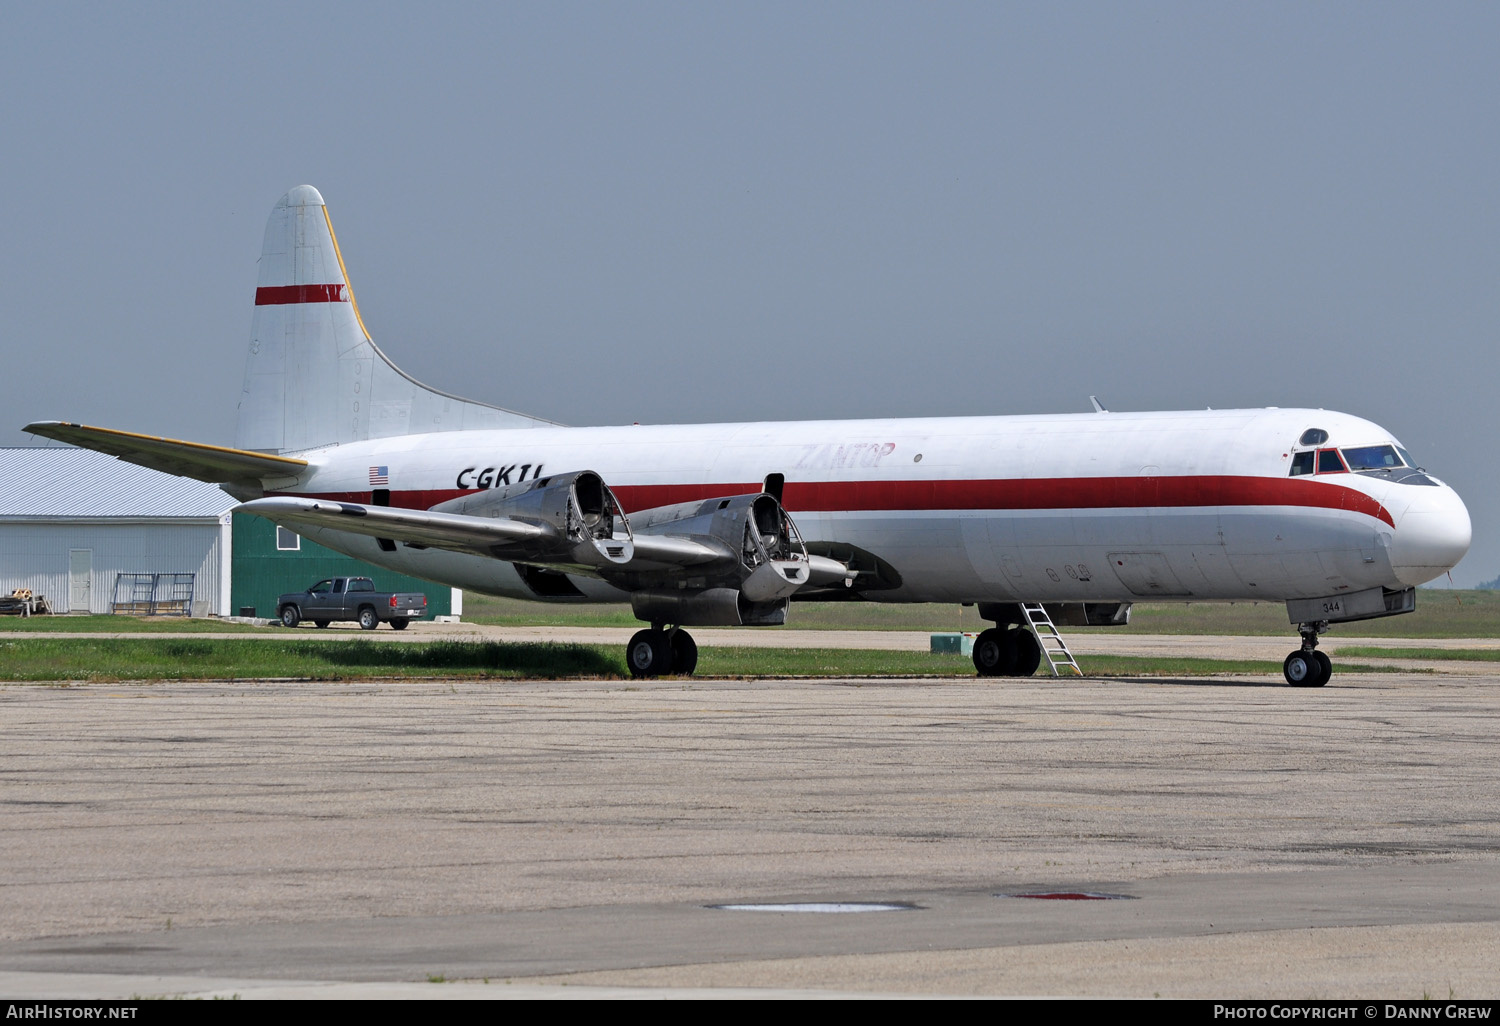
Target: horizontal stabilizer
212, 463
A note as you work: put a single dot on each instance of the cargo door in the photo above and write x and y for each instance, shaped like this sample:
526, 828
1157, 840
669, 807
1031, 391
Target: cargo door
1147, 574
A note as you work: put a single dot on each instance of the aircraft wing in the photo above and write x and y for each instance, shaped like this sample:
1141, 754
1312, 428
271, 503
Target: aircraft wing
497, 537
212, 463
728, 560
482, 535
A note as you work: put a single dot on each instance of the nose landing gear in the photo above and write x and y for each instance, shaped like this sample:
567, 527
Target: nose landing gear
1307, 667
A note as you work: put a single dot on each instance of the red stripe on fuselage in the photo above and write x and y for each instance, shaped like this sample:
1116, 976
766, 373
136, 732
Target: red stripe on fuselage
1067, 494
280, 295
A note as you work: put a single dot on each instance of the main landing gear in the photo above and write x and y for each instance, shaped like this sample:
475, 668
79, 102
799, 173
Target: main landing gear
660, 651
1307, 667
1007, 652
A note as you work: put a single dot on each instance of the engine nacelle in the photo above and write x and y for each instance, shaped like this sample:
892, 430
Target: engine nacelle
767, 560
761, 563
711, 607
581, 514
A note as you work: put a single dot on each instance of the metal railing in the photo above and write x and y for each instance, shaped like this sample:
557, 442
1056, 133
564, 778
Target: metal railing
153, 594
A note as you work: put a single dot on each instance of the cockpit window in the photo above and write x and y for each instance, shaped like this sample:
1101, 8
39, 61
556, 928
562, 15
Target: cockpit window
1388, 462
1372, 457
1329, 462
1313, 436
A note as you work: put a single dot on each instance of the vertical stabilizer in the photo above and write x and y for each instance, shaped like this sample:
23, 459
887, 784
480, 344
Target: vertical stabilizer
313, 376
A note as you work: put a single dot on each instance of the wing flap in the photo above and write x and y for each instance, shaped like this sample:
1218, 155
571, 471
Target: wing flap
212, 463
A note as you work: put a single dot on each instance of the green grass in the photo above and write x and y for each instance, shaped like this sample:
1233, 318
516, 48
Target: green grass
120, 625
112, 659
1477, 655
162, 659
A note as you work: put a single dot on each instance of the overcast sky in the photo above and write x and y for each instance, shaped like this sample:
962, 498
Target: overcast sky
610, 212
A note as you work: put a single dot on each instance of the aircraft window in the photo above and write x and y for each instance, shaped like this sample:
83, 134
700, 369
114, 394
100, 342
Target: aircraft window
1313, 436
1302, 463
1372, 457
1407, 457
1329, 462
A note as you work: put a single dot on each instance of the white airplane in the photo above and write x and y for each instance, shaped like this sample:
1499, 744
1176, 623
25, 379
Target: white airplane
693, 524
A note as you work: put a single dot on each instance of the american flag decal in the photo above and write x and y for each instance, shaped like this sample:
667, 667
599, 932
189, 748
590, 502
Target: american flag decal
380, 477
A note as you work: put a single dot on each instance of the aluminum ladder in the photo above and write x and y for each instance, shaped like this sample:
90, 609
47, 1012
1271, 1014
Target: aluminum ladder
1053, 645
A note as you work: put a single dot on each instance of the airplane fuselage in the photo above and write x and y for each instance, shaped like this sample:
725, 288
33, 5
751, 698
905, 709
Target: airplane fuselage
1098, 507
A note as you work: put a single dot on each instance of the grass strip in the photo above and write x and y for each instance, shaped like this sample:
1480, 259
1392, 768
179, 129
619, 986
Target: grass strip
165, 659
121, 625
1475, 655
113, 659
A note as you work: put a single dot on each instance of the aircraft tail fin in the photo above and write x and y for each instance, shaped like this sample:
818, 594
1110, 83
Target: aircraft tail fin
313, 376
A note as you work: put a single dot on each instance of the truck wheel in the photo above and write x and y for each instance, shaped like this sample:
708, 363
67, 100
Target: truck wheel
321, 623
398, 623
367, 618
289, 617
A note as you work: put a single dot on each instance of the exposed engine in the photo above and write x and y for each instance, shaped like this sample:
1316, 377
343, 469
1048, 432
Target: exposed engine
581, 520
762, 563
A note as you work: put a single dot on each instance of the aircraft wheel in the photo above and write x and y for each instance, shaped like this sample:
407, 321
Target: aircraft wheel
1303, 670
398, 623
684, 653
1028, 652
1325, 668
367, 619
289, 616
649, 654
995, 653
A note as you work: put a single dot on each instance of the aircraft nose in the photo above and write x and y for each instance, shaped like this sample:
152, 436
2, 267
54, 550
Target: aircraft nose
1431, 536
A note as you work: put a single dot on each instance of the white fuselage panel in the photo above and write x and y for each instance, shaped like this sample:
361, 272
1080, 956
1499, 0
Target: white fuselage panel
1093, 507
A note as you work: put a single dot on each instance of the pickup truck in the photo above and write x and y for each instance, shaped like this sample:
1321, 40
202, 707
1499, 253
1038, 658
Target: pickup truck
350, 598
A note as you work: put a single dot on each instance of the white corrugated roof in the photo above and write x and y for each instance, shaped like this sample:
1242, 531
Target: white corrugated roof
61, 481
